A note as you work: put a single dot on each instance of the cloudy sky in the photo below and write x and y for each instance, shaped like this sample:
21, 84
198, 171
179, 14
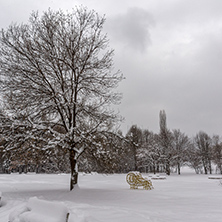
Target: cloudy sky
170, 52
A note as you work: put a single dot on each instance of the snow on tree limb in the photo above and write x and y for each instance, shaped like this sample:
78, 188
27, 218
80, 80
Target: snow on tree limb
57, 77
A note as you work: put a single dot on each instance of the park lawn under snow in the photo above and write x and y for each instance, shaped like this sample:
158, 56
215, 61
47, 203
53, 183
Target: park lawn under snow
107, 198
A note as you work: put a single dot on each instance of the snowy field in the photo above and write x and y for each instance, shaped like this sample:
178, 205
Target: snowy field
107, 198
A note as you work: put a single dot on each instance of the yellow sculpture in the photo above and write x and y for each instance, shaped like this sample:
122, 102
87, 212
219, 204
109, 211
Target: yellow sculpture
135, 179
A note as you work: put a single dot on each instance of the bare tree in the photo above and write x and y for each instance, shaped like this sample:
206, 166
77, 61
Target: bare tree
57, 70
203, 145
180, 145
217, 152
194, 158
150, 153
2, 140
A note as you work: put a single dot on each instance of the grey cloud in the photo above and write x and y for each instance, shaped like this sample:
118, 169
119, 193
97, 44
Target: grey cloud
131, 29
181, 70
187, 85
178, 12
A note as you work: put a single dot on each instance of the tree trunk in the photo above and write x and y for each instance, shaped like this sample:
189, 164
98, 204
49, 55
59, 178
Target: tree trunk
178, 167
168, 167
220, 168
135, 159
74, 171
205, 169
210, 167
154, 168
158, 168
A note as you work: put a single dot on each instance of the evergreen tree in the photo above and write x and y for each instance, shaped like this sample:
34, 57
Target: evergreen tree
165, 142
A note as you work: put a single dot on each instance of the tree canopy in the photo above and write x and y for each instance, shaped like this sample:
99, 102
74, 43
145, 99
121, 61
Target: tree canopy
57, 79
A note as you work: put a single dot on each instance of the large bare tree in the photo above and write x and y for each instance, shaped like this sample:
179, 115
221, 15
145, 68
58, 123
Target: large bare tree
57, 74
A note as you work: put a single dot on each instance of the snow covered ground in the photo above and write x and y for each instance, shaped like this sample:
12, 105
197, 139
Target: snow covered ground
107, 198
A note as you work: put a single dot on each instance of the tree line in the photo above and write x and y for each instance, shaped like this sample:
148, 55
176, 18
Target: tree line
139, 150
169, 150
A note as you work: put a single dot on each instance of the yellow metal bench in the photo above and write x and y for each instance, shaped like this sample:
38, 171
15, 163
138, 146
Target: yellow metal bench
135, 180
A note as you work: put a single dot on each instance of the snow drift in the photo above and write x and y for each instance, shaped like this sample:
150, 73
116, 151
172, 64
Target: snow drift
40, 211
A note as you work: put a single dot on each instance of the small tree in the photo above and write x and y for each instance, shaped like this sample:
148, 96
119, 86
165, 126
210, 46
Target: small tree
180, 144
149, 154
134, 137
57, 71
194, 158
203, 145
217, 152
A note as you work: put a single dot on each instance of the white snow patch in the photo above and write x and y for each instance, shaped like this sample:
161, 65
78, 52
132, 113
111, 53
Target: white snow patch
40, 211
157, 177
108, 198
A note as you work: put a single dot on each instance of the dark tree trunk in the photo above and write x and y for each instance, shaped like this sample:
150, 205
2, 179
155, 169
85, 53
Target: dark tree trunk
135, 159
205, 166
74, 172
220, 168
158, 168
178, 167
167, 167
210, 167
154, 168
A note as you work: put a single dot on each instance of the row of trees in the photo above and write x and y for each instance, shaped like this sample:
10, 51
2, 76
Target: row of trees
171, 149
165, 151
139, 149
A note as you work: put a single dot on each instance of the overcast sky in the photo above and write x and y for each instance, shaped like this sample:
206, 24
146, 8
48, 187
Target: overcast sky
170, 52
